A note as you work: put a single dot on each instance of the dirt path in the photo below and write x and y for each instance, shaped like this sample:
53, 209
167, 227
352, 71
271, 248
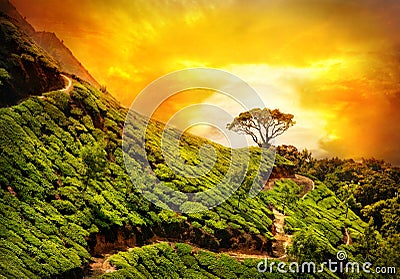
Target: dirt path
68, 88
283, 240
347, 237
307, 183
99, 266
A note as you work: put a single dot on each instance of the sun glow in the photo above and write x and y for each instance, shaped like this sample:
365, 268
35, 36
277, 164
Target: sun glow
334, 64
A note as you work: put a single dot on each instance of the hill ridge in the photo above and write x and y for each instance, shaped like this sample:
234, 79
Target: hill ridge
50, 43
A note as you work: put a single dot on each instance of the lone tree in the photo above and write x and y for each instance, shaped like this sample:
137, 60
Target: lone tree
262, 124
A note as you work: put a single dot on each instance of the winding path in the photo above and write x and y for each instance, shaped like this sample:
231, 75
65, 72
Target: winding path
309, 184
283, 240
347, 237
68, 88
101, 265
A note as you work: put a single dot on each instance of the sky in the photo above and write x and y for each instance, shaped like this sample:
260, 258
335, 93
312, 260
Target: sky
334, 64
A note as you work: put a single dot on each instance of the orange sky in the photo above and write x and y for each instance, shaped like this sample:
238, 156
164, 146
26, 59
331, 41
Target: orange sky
334, 64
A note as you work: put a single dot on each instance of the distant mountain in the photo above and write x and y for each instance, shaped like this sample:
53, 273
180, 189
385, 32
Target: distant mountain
50, 43
68, 62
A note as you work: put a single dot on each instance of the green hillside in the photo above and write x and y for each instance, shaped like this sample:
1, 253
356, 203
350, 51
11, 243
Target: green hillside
53, 202
64, 186
67, 200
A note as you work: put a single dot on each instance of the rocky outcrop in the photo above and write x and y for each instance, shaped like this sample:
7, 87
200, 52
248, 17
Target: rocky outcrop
120, 239
283, 171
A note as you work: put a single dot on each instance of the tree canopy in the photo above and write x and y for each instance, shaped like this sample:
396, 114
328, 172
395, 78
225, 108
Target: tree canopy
262, 124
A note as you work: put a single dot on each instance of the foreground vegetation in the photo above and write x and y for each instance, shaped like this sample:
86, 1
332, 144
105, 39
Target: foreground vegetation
182, 261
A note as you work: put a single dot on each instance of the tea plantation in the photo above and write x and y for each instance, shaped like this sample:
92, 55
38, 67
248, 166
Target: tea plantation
63, 182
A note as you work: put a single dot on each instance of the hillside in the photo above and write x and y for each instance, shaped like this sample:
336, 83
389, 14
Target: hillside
57, 211
25, 68
70, 209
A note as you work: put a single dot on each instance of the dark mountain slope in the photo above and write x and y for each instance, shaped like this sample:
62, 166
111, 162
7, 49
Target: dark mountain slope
8, 9
25, 68
50, 43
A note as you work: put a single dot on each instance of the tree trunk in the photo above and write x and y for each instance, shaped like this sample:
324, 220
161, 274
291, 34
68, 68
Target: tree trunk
265, 145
